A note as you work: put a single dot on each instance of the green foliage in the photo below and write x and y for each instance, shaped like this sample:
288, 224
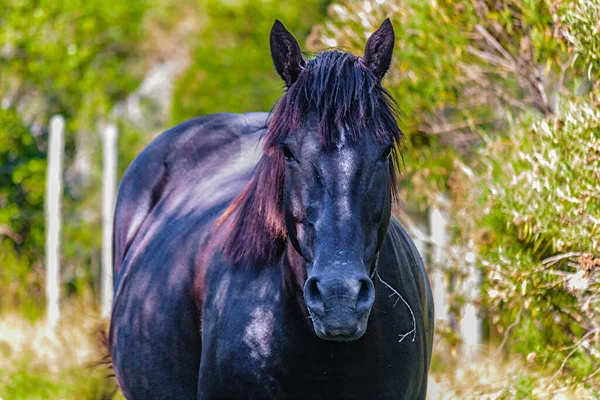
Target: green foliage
539, 192
523, 388
581, 27
22, 188
545, 179
73, 56
231, 69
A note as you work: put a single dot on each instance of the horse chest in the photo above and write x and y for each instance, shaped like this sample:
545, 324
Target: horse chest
294, 367
377, 366
255, 348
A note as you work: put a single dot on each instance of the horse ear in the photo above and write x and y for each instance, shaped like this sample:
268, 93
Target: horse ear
286, 54
379, 49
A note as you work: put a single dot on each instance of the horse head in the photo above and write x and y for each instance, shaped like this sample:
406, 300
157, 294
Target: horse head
336, 133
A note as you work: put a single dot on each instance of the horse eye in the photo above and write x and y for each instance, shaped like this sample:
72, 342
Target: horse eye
287, 153
387, 152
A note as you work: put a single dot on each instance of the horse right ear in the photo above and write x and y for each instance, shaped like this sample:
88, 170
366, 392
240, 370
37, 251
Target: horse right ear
379, 49
286, 54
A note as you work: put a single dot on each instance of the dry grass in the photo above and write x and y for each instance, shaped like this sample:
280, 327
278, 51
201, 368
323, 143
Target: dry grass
491, 377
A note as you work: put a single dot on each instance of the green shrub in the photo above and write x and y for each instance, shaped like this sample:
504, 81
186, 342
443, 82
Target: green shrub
538, 236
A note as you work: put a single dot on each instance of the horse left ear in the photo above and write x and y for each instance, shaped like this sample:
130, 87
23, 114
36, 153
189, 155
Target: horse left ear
379, 49
286, 54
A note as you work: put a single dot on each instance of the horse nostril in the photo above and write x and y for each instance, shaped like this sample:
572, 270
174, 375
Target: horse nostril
366, 296
313, 296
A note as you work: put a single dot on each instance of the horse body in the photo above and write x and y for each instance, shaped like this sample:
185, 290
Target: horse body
186, 321
197, 314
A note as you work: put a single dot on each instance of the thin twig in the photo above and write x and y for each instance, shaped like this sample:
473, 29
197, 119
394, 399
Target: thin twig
414, 321
587, 378
580, 340
445, 128
554, 259
476, 77
495, 44
506, 332
492, 59
575, 347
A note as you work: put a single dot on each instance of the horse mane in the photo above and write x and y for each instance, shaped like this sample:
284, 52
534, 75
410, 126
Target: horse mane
346, 95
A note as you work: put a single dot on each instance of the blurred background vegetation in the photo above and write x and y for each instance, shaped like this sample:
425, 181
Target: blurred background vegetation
499, 103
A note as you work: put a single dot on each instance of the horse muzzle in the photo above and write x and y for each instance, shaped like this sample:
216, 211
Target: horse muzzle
339, 307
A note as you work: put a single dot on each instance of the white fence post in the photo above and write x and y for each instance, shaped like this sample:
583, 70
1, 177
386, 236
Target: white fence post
470, 325
53, 218
420, 241
438, 227
109, 181
417, 233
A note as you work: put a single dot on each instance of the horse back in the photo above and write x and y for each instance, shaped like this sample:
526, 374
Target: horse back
186, 154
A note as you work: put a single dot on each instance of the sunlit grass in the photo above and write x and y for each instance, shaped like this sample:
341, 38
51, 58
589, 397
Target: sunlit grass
36, 363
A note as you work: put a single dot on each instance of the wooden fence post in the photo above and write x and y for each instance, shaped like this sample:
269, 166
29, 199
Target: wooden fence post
53, 218
109, 184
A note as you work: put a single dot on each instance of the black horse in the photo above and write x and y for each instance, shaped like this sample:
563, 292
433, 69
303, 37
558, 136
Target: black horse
249, 273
